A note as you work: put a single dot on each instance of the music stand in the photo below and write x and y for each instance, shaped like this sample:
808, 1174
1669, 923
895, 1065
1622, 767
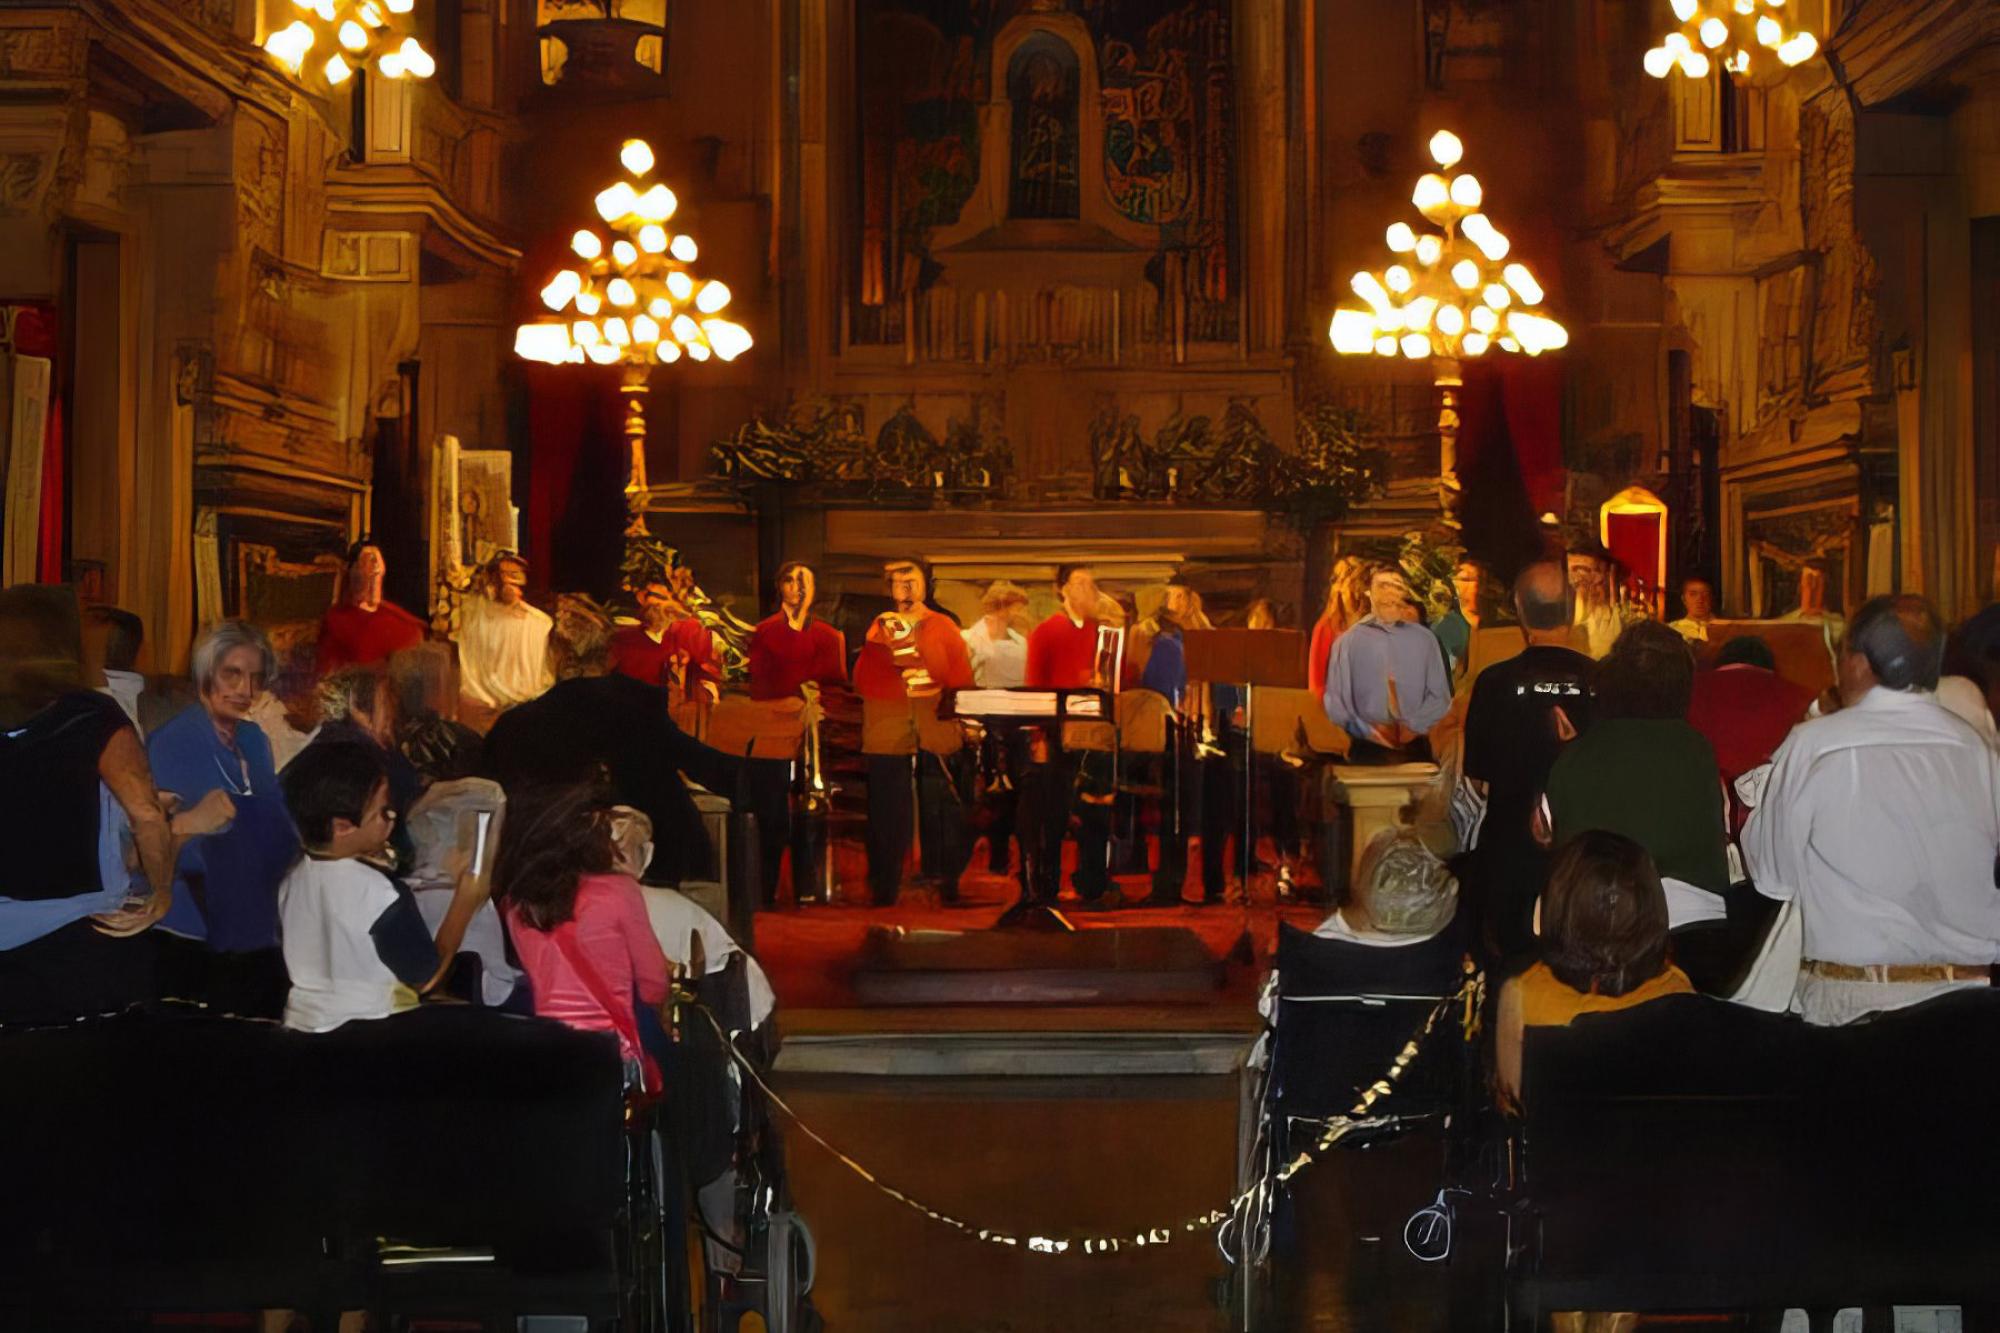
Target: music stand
1247, 657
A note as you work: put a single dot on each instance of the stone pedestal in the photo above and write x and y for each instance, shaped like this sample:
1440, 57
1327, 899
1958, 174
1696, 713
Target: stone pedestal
1377, 794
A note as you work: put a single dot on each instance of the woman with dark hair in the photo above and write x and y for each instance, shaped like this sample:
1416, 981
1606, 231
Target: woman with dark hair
70, 762
1603, 927
1642, 770
578, 924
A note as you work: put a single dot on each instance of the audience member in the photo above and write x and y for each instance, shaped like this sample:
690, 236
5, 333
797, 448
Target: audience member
425, 689
1882, 820
355, 944
578, 924
1386, 681
69, 937
1745, 709
1642, 771
363, 628
1455, 628
503, 640
224, 918
357, 707
1697, 609
1345, 605
1603, 927
1523, 711
111, 642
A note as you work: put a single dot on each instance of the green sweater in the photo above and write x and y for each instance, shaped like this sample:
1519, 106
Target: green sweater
1655, 781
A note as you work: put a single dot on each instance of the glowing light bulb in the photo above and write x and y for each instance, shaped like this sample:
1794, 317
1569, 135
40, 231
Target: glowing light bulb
653, 238
1432, 195
588, 302
683, 248
1465, 191
1714, 32
1678, 43
1402, 240
370, 15
1417, 314
1416, 346
616, 333
1695, 65
645, 329
624, 253
1497, 296
1659, 62
686, 331
1475, 344
1450, 321
697, 351
1738, 63
616, 202
1770, 32
1523, 283
657, 204
667, 352
290, 45
1430, 249
1385, 345
586, 244
1466, 274
1479, 229
562, 289
1685, 9
401, 6
602, 354
353, 36
337, 70
415, 59
714, 296
619, 292
637, 156
1352, 332
542, 342
1446, 149
660, 308
679, 286
584, 331
1484, 319
730, 340
1398, 279
1798, 48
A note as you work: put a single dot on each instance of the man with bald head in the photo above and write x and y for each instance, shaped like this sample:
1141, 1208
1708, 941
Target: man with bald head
1883, 820
1522, 712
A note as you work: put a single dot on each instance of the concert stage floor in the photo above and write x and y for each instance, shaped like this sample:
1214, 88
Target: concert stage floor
812, 955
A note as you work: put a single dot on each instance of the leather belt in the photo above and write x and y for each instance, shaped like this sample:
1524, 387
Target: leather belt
1898, 971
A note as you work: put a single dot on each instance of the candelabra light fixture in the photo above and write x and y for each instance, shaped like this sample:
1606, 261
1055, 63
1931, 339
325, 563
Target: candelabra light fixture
632, 299
1452, 293
354, 34
1728, 32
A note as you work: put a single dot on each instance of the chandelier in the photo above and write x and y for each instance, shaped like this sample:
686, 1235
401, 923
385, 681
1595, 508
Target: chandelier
1451, 293
632, 298
1730, 30
356, 32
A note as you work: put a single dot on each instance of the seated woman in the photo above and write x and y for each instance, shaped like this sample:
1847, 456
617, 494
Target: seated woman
578, 925
1644, 771
1602, 922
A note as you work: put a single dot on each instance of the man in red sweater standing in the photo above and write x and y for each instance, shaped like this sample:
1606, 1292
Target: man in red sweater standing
913, 654
364, 629
791, 648
1062, 655
669, 647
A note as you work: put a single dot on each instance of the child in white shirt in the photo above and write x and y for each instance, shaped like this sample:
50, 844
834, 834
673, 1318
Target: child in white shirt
355, 944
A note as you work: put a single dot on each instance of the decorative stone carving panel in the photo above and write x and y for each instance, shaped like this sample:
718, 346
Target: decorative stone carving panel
1844, 324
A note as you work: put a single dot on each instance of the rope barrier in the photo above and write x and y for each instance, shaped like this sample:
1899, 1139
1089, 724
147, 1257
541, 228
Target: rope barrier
1241, 1211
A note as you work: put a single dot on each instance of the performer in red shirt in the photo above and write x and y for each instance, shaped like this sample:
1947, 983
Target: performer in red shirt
364, 629
1062, 654
912, 655
791, 648
669, 646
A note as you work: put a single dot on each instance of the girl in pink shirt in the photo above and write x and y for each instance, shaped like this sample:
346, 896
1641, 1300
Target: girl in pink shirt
577, 924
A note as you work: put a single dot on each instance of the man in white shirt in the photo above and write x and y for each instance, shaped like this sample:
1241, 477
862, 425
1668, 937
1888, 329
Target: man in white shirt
1883, 820
503, 641
999, 652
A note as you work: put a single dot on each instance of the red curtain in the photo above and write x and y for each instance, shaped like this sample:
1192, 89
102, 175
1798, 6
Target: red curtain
1509, 456
575, 516
38, 332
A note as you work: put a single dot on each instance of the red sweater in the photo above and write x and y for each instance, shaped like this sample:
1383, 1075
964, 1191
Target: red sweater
939, 645
1319, 654
1062, 655
634, 654
349, 636
782, 658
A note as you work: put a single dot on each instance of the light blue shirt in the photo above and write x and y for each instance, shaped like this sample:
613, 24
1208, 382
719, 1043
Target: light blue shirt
1367, 658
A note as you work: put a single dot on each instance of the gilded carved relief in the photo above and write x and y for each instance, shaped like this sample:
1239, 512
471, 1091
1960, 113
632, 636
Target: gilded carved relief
43, 50
1844, 325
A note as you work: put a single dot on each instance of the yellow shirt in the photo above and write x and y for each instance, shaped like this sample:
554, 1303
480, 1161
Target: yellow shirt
1548, 1001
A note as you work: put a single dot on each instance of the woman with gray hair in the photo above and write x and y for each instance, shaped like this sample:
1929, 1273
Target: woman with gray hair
223, 927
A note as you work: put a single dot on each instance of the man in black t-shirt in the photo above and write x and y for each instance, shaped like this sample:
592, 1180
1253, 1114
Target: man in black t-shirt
1523, 711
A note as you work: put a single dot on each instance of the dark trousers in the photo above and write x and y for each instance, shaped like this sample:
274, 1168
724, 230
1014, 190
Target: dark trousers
1180, 783
252, 983
1004, 754
1061, 790
892, 813
75, 972
1221, 797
